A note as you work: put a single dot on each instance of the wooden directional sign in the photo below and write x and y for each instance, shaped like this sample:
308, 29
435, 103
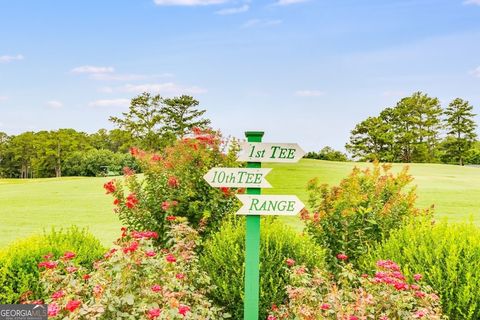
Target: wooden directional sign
269, 205
238, 177
270, 152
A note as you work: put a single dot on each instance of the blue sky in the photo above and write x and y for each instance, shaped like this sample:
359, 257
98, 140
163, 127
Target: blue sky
303, 71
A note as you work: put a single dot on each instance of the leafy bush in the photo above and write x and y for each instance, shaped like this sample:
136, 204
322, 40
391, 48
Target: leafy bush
223, 257
352, 217
327, 153
19, 276
449, 257
134, 280
173, 185
385, 296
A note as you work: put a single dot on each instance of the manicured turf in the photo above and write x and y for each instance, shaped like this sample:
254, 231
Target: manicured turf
30, 206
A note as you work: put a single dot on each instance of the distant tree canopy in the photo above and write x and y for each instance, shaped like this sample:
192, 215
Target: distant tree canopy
155, 122
327, 153
417, 129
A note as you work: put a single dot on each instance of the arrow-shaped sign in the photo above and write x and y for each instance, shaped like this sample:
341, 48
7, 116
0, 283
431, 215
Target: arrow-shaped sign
269, 205
238, 177
270, 152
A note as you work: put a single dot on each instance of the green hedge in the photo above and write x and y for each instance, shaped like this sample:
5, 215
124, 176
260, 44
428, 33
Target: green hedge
19, 271
447, 255
223, 259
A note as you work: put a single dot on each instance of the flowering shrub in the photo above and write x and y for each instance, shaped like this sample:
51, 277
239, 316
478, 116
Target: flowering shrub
223, 258
387, 295
19, 274
133, 280
361, 211
173, 186
447, 254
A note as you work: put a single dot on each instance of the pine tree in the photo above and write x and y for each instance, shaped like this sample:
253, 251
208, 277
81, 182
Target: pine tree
460, 129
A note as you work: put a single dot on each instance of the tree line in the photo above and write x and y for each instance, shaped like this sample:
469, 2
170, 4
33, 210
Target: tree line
151, 123
418, 129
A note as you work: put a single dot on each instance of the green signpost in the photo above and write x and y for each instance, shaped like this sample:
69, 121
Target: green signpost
254, 204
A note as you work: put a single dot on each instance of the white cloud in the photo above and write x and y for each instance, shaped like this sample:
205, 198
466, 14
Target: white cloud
110, 103
261, 23
3, 98
309, 93
162, 88
476, 2
187, 2
289, 2
92, 70
54, 104
228, 11
127, 77
476, 72
7, 59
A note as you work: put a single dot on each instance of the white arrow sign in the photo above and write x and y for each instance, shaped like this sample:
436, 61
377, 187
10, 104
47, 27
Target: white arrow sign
269, 205
270, 152
238, 177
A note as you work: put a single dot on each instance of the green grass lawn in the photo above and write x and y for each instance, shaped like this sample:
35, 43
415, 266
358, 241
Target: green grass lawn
30, 206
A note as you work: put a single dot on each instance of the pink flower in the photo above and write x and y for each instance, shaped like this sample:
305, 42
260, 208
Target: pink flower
156, 288
420, 294
183, 310
48, 256
170, 258
384, 318
53, 309
58, 294
325, 306
154, 313
179, 276
342, 256
128, 172
353, 318
144, 234
68, 255
48, 264
71, 269
388, 265
165, 205
420, 314
417, 277
290, 262
150, 253
270, 317
97, 290
72, 305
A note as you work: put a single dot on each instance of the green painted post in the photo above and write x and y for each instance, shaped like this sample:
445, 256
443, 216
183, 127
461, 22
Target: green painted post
252, 247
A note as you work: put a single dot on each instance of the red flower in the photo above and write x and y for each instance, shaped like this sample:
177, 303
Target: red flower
110, 186
53, 309
116, 202
124, 232
156, 157
170, 258
154, 313
420, 294
144, 234
270, 317
353, 318
171, 218
417, 277
165, 205
172, 182
290, 262
342, 256
420, 314
388, 265
131, 200
131, 248
156, 288
48, 256
86, 276
48, 264
183, 310
72, 305
69, 255
225, 191
128, 171
180, 276
134, 151
58, 294
150, 253
174, 203
325, 306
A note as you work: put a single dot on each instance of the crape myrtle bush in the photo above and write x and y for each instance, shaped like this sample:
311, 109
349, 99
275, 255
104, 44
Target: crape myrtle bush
19, 275
387, 295
173, 186
134, 280
223, 258
449, 257
350, 218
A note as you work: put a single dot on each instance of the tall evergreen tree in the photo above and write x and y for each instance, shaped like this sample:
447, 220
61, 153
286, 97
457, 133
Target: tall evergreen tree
181, 115
460, 124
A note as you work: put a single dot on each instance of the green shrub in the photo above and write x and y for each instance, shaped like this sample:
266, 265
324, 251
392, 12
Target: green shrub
448, 255
19, 272
361, 211
223, 259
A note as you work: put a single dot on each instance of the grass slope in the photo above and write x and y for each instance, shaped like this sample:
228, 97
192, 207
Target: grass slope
30, 206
